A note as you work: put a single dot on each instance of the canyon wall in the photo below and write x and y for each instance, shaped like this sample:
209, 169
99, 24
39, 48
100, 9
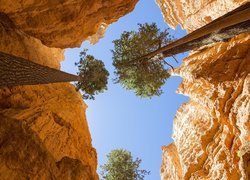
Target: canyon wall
193, 14
211, 132
64, 23
43, 129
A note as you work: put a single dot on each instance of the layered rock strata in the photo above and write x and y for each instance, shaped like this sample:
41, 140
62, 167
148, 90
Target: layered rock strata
193, 14
211, 131
43, 129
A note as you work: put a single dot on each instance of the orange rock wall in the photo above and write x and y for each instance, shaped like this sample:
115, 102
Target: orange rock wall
193, 14
41, 126
64, 23
43, 129
211, 132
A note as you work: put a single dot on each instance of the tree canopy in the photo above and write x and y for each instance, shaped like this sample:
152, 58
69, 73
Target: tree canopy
121, 166
93, 77
145, 76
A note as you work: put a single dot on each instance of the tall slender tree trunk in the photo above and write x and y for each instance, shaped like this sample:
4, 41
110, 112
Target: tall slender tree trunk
18, 71
221, 29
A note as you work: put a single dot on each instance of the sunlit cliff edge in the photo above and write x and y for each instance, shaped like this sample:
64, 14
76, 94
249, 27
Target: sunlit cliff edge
43, 129
211, 137
193, 14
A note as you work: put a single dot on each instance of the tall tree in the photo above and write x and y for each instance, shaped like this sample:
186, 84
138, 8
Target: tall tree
144, 76
92, 76
139, 62
223, 28
121, 166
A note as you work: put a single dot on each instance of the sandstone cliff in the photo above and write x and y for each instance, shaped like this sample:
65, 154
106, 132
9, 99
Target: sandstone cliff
43, 129
193, 14
64, 23
211, 132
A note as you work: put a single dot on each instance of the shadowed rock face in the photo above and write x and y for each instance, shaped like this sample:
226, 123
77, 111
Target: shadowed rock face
211, 132
41, 125
64, 23
43, 128
15, 42
24, 156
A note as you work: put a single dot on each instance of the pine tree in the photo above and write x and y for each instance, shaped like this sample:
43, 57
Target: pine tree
144, 76
92, 76
121, 166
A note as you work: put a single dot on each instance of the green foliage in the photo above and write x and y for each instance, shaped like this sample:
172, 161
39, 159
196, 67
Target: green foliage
144, 76
121, 166
93, 75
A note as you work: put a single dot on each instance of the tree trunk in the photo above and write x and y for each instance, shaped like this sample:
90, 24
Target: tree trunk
221, 29
18, 71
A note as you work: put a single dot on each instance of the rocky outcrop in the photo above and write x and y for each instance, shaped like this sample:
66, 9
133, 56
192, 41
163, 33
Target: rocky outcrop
171, 167
192, 14
64, 23
43, 129
43, 126
15, 42
211, 131
44, 134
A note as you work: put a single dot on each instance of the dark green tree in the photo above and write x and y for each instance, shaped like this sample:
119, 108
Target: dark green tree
93, 77
121, 166
143, 75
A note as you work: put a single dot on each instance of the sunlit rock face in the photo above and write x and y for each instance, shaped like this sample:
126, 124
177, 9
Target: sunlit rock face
64, 23
171, 167
211, 131
192, 14
43, 129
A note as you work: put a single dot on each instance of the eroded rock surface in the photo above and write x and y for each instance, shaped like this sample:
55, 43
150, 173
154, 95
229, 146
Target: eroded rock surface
212, 129
171, 167
43, 129
44, 134
64, 23
193, 14
211, 132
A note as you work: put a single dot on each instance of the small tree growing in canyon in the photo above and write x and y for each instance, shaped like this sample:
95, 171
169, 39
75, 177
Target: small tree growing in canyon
93, 75
144, 76
121, 166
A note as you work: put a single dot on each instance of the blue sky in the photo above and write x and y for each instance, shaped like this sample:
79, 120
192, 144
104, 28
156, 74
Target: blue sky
119, 119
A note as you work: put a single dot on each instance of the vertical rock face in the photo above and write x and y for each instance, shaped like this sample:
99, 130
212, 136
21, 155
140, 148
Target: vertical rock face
44, 134
211, 131
43, 129
64, 23
193, 14
171, 167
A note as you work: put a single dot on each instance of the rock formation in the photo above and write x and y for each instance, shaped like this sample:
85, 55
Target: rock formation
211, 132
193, 14
43, 129
64, 23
